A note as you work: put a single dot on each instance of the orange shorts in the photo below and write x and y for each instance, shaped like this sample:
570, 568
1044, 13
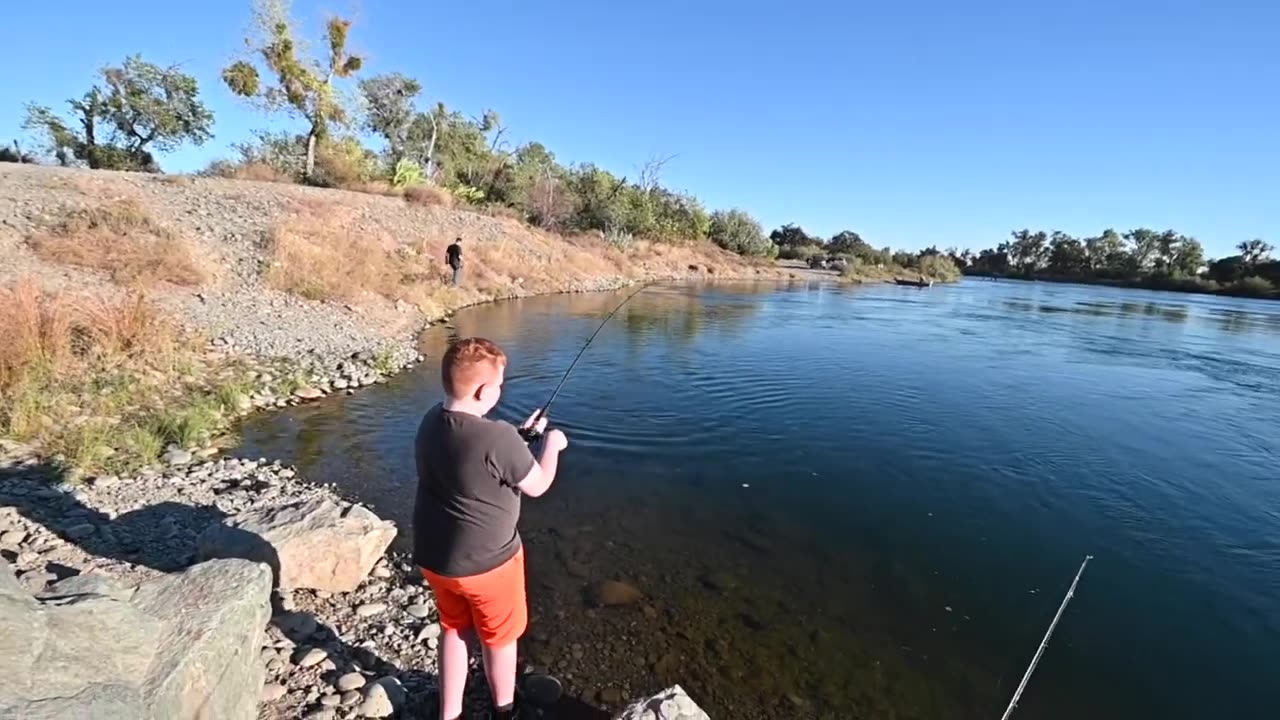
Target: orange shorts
493, 602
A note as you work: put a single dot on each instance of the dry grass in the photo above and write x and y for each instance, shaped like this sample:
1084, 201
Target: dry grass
327, 255
121, 239
426, 194
102, 384
254, 171
179, 180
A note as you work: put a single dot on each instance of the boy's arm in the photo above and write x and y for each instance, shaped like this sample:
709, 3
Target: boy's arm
543, 474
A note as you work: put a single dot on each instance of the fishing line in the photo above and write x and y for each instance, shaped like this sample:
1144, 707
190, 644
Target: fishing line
530, 432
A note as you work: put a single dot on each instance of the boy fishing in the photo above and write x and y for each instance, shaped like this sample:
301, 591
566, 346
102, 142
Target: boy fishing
471, 474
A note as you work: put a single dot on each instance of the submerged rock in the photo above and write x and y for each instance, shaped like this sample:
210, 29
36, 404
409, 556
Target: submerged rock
612, 593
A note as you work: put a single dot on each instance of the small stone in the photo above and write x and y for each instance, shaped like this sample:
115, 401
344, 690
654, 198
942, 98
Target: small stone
79, 532
308, 393
272, 692
381, 572
350, 681
306, 657
614, 592
418, 610
206, 453
330, 700
610, 696
350, 697
268, 654
106, 481
429, 632
177, 457
381, 698
370, 609
340, 384
275, 666
321, 713
433, 642
296, 625
13, 538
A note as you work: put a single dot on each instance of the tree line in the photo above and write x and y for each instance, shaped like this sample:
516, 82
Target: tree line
1142, 257
139, 109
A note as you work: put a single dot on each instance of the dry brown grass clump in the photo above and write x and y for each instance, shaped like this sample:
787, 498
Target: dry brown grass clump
61, 333
121, 238
324, 254
425, 194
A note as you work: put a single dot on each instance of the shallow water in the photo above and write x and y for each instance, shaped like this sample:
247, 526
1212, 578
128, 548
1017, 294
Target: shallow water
868, 502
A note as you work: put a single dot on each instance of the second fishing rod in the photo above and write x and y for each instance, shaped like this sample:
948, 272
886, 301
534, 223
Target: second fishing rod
530, 432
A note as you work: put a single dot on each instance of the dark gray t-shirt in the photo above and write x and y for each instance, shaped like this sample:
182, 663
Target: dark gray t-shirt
467, 505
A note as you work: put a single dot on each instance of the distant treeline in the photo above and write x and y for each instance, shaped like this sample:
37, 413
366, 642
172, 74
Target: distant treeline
1165, 260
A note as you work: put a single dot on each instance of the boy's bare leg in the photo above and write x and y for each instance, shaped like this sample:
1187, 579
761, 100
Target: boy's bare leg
453, 674
500, 668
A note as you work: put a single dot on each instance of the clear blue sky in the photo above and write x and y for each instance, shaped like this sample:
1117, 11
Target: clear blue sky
911, 122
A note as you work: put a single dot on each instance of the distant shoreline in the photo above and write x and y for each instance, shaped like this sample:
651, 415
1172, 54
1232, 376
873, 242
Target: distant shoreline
1192, 286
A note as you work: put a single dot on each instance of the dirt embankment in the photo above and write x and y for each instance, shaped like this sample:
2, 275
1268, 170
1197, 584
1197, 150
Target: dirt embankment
281, 270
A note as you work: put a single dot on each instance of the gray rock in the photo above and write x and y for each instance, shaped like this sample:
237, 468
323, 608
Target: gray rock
370, 609
177, 457
296, 625
308, 393
418, 610
213, 617
272, 692
429, 632
321, 713
286, 538
331, 700
175, 649
382, 698
306, 657
12, 538
89, 584
351, 697
79, 532
350, 681
670, 704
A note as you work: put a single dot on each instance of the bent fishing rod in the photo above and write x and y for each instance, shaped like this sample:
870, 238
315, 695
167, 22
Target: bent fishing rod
530, 431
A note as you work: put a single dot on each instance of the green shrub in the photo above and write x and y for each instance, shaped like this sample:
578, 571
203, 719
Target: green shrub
938, 267
735, 230
1253, 286
343, 161
407, 173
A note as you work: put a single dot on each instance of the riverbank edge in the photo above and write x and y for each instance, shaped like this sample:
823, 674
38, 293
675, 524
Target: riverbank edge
1189, 286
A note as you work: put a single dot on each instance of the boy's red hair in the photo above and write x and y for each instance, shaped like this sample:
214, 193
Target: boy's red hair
469, 363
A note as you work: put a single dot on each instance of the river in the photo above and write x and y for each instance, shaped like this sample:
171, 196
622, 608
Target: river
846, 501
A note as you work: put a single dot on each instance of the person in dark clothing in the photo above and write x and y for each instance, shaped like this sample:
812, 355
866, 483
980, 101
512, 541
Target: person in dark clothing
472, 473
453, 256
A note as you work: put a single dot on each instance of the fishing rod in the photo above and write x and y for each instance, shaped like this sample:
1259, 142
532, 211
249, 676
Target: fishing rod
1071, 591
530, 431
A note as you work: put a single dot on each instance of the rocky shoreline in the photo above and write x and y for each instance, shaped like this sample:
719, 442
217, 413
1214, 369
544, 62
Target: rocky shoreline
367, 652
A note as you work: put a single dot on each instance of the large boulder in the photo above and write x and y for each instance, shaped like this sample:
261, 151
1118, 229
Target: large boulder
670, 704
316, 543
180, 647
213, 625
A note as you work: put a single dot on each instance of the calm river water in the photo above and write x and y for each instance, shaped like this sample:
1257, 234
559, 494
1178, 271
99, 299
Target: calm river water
868, 502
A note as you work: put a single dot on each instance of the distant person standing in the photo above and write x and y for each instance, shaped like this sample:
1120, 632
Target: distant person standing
453, 256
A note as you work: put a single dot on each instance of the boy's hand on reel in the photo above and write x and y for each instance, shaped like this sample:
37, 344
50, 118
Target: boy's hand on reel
534, 426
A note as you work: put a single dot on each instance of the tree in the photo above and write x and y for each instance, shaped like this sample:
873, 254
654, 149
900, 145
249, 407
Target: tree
1105, 251
1145, 247
1188, 257
1029, 251
390, 113
143, 108
737, 231
1067, 255
793, 236
1254, 251
304, 87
